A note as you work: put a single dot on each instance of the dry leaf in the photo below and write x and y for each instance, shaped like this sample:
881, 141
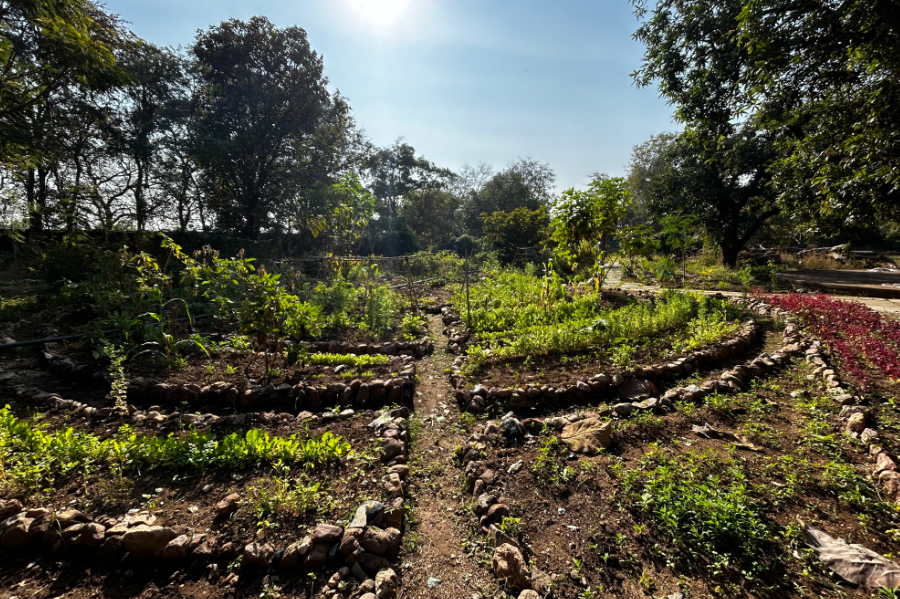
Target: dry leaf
853, 563
635, 388
587, 436
708, 432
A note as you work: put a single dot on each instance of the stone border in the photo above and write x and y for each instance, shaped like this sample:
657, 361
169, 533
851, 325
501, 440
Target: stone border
65, 367
533, 395
358, 556
856, 416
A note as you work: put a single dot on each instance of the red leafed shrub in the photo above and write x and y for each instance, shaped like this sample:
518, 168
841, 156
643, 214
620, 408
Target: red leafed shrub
861, 340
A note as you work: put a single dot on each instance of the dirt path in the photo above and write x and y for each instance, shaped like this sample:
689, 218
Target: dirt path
878, 304
437, 484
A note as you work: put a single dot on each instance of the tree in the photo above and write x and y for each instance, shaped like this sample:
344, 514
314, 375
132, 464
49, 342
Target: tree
647, 160
525, 183
724, 183
432, 215
47, 46
508, 233
819, 79
585, 221
396, 171
263, 108
156, 101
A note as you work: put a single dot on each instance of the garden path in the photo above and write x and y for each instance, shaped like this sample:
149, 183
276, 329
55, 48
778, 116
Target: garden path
878, 304
442, 525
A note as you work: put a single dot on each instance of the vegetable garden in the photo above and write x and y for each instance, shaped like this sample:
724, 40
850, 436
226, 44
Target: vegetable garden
429, 428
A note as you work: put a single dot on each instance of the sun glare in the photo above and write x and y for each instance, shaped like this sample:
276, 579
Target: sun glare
380, 13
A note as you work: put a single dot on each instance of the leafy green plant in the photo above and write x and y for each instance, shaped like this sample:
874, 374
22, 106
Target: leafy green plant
29, 455
361, 360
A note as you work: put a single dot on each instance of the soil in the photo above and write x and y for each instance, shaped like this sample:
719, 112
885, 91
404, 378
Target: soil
593, 517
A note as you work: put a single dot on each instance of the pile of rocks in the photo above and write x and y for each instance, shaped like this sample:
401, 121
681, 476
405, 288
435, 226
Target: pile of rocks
458, 336
600, 385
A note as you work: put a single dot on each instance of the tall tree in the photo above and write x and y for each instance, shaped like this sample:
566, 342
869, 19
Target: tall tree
723, 182
262, 106
45, 47
395, 171
525, 183
822, 79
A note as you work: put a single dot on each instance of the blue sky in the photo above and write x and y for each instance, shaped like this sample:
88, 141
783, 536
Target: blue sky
464, 81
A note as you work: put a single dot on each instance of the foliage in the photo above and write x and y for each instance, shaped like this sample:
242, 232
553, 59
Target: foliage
863, 342
47, 46
264, 119
517, 315
706, 509
29, 456
283, 497
525, 183
722, 182
823, 75
349, 359
508, 233
585, 221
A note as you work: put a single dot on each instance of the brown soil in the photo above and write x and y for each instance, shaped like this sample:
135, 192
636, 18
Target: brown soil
442, 539
254, 367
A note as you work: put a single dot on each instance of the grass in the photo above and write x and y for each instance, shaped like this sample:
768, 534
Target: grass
705, 508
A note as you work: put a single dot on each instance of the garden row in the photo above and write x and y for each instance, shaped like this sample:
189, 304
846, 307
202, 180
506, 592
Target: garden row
355, 557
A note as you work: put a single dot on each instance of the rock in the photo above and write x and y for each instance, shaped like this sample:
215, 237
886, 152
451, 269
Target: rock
891, 481
373, 564
393, 514
381, 542
529, 594
541, 582
256, 554
294, 553
9, 508
557, 422
623, 409
883, 463
495, 514
93, 535
509, 566
316, 557
515, 467
69, 517
635, 388
228, 506
369, 512
15, 531
391, 449
856, 423
178, 548
350, 540
587, 436
147, 541
484, 502
325, 534
386, 583
145, 518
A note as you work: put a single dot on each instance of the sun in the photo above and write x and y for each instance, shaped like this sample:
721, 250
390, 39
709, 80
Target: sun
380, 13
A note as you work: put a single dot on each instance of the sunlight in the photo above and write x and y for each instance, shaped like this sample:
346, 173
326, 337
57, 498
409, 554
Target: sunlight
380, 13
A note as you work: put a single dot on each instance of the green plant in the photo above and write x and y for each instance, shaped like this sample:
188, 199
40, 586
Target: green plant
510, 526
282, 497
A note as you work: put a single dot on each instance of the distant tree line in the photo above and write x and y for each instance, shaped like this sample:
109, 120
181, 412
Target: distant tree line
239, 133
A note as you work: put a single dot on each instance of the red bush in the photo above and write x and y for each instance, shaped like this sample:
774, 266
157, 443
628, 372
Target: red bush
860, 339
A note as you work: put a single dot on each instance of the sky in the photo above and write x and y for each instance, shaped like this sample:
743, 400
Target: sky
464, 81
